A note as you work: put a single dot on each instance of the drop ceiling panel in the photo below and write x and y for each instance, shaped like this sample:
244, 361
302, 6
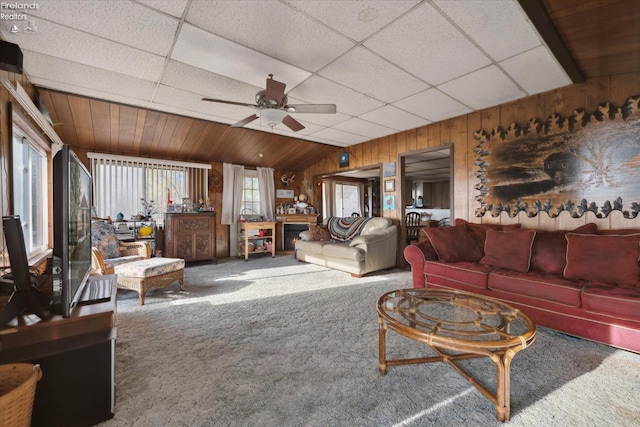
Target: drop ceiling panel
438, 52
356, 19
394, 118
349, 70
84, 77
536, 71
364, 128
319, 90
483, 88
432, 105
495, 25
172, 7
340, 137
190, 101
210, 85
295, 39
204, 50
54, 40
127, 23
90, 93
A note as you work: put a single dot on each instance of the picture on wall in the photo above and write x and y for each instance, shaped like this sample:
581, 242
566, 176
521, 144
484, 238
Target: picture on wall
389, 185
343, 159
586, 162
389, 203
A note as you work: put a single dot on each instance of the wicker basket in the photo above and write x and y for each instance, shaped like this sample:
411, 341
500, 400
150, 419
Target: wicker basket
17, 392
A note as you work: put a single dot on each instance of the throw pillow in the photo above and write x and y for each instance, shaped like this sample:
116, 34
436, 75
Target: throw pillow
453, 244
319, 232
509, 249
478, 232
603, 258
549, 252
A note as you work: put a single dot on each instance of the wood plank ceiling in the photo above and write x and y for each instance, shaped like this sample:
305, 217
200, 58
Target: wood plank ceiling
602, 36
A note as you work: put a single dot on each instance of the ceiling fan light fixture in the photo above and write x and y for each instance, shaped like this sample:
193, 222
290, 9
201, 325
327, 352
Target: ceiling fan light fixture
272, 116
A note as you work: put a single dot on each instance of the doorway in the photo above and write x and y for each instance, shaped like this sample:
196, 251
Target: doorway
352, 193
426, 186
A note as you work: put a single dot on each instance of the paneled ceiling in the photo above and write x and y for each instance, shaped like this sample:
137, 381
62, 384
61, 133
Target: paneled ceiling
128, 76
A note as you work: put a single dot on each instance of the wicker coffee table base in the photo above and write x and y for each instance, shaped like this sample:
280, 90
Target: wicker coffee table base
143, 284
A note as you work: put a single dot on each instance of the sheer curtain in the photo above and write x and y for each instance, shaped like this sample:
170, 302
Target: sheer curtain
233, 176
267, 193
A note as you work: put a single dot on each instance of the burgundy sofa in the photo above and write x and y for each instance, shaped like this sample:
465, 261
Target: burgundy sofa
582, 282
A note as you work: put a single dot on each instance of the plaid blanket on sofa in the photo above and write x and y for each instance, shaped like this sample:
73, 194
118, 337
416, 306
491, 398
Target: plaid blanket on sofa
345, 229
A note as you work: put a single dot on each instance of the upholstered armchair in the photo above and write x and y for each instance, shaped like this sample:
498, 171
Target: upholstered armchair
108, 251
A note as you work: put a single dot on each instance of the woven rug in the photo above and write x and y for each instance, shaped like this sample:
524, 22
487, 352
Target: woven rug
275, 342
345, 229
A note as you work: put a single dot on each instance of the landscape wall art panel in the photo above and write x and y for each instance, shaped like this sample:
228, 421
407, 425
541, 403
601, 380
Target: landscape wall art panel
586, 162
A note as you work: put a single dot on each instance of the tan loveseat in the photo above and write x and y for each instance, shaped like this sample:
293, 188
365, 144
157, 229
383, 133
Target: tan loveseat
355, 245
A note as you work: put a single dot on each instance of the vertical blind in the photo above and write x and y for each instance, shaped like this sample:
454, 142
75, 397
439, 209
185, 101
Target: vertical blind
121, 184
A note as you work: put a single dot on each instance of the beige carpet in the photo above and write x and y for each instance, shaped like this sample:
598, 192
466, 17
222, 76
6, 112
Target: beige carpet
273, 342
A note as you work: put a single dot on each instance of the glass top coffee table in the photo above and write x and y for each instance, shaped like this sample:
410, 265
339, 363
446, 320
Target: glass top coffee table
457, 325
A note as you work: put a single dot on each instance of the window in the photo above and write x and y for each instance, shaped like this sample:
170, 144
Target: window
120, 183
341, 199
30, 191
250, 204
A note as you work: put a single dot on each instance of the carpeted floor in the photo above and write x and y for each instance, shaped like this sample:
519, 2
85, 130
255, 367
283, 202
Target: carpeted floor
274, 342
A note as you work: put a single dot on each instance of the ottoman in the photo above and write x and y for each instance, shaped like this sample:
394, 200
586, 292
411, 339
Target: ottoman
140, 276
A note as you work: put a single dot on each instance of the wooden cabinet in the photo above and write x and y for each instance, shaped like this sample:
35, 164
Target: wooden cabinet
256, 238
191, 236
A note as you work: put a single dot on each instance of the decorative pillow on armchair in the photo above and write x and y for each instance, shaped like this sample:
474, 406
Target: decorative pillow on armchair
509, 249
453, 244
319, 232
603, 258
104, 239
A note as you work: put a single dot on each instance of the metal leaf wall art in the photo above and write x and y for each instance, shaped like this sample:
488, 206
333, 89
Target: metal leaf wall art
586, 162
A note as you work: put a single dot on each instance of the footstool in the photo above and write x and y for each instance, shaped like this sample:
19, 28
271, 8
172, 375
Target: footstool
158, 272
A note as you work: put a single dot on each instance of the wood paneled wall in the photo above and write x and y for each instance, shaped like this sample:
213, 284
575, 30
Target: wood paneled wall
459, 132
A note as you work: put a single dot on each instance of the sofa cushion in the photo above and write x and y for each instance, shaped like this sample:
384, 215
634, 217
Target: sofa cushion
618, 301
453, 244
311, 246
509, 249
319, 232
344, 251
546, 286
549, 251
603, 258
471, 274
478, 232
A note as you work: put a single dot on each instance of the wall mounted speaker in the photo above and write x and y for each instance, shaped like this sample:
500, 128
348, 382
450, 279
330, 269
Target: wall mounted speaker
10, 57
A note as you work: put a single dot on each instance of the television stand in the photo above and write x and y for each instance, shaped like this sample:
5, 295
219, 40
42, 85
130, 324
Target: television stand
77, 358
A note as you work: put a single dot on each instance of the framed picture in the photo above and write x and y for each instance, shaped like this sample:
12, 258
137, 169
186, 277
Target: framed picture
291, 211
389, 169
389, 185
343, 159
284, 194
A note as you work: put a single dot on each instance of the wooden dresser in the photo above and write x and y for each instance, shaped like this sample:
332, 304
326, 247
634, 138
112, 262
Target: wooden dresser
191, 236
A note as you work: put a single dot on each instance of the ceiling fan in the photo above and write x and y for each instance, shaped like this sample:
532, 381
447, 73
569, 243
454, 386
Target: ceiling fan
272, 106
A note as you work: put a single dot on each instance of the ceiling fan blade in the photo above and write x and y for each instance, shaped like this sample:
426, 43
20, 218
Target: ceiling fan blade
244, 121
222, 101
275, 90
292, 123
312, 108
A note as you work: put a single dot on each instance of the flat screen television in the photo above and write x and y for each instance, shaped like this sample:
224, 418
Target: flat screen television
72, 191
